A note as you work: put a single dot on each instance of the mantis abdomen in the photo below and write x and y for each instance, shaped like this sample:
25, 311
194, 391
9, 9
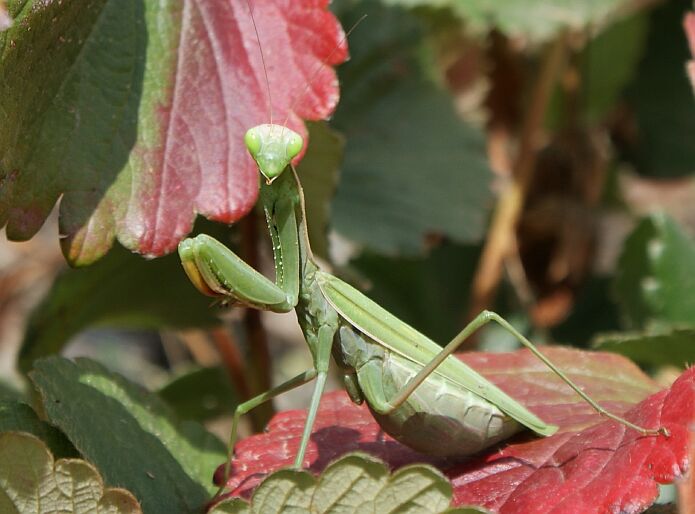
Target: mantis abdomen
439, 418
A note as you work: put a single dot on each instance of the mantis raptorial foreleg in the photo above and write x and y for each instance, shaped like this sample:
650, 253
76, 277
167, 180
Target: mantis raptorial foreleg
217, 271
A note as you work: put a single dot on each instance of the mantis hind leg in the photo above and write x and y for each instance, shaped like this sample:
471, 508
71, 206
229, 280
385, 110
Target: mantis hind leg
481, 320
487, 316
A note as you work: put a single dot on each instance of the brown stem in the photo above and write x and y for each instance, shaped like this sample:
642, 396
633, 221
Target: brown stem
258, 376
228, 350
501, 234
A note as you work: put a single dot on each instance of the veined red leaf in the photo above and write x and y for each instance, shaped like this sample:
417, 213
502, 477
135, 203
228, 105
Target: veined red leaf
135, 113
590, 465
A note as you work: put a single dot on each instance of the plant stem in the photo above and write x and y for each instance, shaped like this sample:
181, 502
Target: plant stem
502, 231
258, 376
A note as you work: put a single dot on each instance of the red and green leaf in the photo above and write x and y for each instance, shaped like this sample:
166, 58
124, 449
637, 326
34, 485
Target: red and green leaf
590, 465
135, 112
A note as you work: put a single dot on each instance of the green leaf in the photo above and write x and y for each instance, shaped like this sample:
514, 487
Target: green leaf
655, 278
662, 98
537, 20
411, 167
71, 79
129, 434
31, 482
355, 483
122, 290
290, 490
19, 417
9, 392
200, 394
319, 175
232, 506
609, 62
669, 348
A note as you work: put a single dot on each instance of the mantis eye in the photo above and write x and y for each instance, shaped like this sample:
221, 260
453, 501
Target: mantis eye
294, 145
252, 141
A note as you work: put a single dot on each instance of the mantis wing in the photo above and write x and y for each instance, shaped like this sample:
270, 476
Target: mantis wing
402, 339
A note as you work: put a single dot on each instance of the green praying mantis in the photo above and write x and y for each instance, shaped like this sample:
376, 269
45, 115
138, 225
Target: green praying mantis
417, 391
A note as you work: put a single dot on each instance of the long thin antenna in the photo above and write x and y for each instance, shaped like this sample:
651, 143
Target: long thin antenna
318, 69
265, 68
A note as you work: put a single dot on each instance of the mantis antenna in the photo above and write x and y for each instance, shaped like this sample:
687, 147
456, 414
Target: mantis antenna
317, 70
265, 68
313, 75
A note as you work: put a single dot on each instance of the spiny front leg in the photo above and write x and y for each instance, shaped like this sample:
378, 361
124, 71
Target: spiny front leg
217, 271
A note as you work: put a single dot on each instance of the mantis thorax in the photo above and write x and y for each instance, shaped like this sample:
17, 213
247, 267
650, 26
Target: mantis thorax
272, 147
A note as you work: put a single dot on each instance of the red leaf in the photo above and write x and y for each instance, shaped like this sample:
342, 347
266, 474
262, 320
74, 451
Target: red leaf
217, 92
136, 115
590, 465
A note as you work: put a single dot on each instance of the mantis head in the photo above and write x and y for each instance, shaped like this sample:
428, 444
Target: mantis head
272, 147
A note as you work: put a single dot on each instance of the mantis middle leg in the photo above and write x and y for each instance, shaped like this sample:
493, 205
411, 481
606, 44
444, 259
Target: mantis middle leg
247, 406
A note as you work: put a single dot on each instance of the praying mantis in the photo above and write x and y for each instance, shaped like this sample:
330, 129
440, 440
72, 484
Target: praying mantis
417, 391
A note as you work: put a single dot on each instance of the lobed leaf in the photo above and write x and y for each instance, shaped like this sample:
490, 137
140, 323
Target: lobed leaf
19, 417
31, 482
354, 483
129, 434
580, 469
135, 112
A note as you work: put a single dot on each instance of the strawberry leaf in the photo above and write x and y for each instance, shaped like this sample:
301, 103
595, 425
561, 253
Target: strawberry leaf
32, 482
135, 114
580, 469
134, 439
353, 483
19, 417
